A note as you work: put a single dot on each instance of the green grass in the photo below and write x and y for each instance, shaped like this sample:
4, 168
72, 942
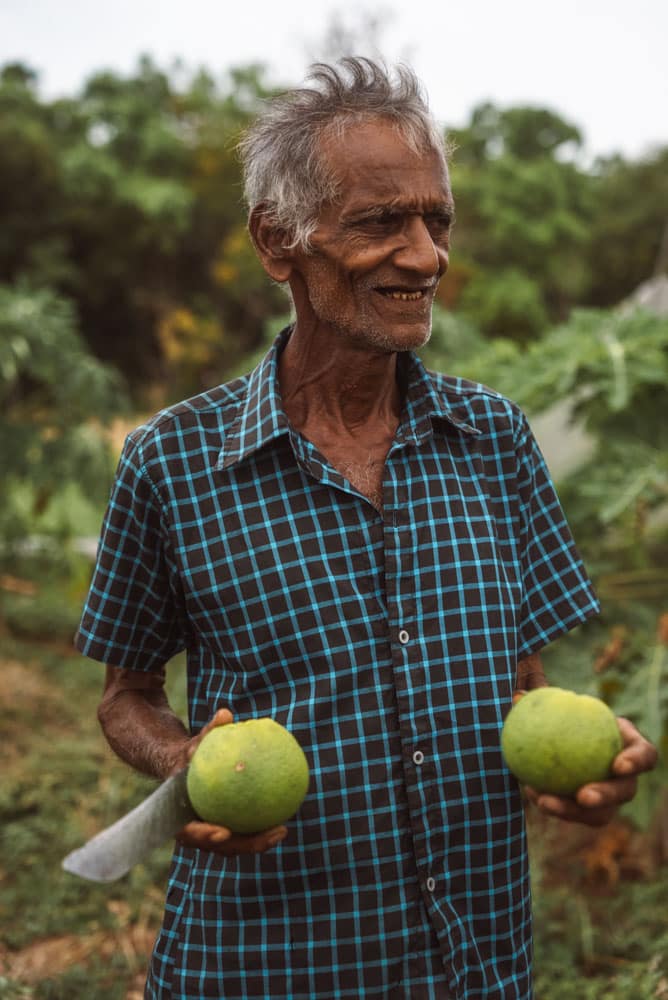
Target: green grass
595, 940
60, 785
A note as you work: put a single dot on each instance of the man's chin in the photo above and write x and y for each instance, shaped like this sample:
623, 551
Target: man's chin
409, 338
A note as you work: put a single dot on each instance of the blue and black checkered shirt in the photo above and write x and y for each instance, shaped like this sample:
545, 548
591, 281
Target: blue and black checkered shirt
386, 641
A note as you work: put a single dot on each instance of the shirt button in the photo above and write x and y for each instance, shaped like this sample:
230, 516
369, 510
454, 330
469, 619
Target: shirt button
403, 637
431, 884
418, 757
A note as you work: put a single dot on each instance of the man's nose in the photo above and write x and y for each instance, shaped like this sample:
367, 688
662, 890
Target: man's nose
418, 252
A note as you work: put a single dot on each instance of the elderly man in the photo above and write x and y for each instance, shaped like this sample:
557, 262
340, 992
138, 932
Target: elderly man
368, 552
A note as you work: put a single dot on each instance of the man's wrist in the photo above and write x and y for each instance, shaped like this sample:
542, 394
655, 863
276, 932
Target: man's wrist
177, 758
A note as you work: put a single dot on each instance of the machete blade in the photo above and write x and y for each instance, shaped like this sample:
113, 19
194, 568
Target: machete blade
113, 852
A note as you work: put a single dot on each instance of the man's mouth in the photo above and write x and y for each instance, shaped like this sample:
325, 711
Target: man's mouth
404, 294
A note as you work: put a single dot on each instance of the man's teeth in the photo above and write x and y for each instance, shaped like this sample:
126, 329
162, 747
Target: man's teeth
403, 296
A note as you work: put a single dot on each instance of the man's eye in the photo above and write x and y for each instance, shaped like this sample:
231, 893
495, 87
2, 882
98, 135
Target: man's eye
383, 220
439, 223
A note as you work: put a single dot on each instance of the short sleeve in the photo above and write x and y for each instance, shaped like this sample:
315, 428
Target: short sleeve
557, 593
132, 617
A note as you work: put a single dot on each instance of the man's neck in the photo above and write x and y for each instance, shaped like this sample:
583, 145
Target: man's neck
338, 387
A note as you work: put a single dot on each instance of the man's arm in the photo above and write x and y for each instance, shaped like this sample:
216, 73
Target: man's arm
142, 729
594, 804
139, 724
530, 674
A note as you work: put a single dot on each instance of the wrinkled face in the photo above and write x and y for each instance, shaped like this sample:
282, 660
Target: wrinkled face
380, 251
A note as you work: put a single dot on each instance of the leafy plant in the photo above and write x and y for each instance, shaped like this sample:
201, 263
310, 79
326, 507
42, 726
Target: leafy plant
60, 785
611, 369
54, 401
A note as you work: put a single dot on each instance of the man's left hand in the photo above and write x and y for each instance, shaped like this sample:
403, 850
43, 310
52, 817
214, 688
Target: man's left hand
596, 804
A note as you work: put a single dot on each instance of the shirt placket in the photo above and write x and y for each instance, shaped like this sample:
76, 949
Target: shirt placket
404, 635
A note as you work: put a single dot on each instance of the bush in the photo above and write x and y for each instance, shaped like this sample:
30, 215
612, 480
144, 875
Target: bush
54, 401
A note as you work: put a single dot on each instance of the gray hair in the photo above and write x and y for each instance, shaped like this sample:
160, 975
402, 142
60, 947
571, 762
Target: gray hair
283, 168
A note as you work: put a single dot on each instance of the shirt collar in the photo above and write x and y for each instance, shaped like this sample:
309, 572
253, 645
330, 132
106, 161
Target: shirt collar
261, 418
426, 398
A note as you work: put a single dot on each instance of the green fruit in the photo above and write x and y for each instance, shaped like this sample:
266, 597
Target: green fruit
248, 776
556, 741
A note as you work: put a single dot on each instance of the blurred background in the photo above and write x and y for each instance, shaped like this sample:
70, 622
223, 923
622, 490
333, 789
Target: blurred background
127, 282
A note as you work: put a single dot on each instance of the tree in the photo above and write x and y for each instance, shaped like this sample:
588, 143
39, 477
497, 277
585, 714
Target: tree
54, 401
522, 220
127, 200
29, 173
525, 133
628, 226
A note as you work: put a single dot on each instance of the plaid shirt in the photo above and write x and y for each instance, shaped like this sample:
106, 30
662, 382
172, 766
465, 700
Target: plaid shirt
387, 642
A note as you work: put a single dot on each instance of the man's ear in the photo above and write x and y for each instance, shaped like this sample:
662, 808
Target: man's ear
270, 245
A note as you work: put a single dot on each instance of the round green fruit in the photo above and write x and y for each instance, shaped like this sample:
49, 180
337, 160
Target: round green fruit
248, 776
556, 741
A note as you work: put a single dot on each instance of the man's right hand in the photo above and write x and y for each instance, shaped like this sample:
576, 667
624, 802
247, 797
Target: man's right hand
219, 839
142, 729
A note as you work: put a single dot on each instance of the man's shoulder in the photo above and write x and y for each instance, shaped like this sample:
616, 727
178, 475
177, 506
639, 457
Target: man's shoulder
476, 404
208, 412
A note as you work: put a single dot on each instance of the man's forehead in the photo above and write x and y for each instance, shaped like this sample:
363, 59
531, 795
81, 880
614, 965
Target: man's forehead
374, 163
437, 196
376, 141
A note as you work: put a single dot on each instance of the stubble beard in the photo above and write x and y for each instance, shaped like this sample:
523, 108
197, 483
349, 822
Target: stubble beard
381, 339
365, 329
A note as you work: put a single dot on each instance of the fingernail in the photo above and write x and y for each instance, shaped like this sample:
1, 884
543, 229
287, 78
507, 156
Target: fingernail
591, 798
276, 839
548, 804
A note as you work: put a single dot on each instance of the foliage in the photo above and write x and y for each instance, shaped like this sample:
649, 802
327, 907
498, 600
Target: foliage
538, 234
591, 943
60, 784
611, 367
628, 237
524, 132
50, 388
505, 300
126, 198
50, 615
525, 220
455, 341
522, 219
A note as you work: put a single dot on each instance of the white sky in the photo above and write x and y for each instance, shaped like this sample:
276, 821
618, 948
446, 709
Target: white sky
602, 64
